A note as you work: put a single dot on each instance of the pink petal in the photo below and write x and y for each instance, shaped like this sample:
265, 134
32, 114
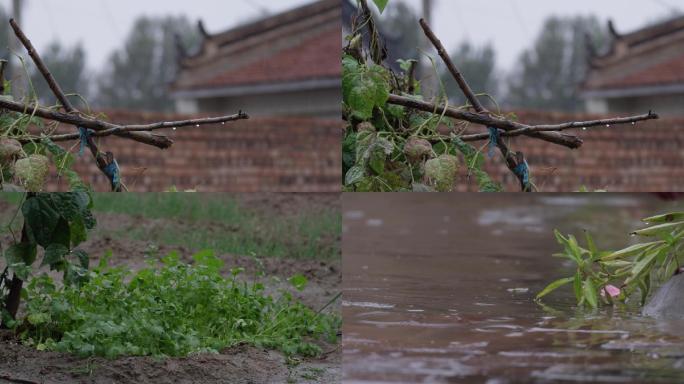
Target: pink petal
612, 290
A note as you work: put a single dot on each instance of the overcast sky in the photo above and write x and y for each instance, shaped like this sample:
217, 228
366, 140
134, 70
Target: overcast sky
102, 25
512, 25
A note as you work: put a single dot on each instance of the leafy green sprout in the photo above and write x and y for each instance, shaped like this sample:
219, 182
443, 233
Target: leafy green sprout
173, 310
611, 277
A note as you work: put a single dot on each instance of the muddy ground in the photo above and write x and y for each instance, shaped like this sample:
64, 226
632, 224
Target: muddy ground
239, 364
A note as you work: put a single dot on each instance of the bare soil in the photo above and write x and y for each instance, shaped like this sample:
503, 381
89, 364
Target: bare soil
239, 364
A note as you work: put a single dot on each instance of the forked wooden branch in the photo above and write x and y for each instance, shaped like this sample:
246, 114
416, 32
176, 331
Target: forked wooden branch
512, 128
96, 127
514, 160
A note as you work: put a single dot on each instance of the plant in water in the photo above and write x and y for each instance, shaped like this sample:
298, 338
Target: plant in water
397, 141
608, 277
174, 310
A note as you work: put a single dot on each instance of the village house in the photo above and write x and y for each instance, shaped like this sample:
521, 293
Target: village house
644, 70
278, 66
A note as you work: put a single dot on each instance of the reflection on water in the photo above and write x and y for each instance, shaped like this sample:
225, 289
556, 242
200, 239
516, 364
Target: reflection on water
439, 288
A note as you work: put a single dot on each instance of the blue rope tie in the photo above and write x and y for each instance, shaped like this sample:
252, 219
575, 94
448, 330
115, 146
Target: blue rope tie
84, 136
493, 140
112, 171
523, 171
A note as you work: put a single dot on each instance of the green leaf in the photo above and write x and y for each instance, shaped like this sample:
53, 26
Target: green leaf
666, 218
590, 243
590, 293
41, 218
21, 270
83, 258
299, 282
553, 286
208, 259
381, 4
363, 87
631, 250
577, 285
642, 264
354, 175
54, 255
659, 229
21, 253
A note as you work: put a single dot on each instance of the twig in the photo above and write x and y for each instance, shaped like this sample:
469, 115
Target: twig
103, 160
151, 127
159, 141
462, 83
90, 128
565, 126
569, 141
16, 380
513, 159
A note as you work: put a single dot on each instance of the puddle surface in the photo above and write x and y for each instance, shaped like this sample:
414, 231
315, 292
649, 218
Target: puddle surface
439, 289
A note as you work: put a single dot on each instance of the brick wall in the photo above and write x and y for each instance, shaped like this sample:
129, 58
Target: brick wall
267, 154
645, 157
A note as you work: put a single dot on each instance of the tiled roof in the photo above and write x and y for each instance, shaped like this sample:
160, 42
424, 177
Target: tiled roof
665, 73
306, 61
650, 57
287, 48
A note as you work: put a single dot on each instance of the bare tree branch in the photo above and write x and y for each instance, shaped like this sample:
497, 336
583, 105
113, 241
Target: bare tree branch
569, 141
76, 119
89, 128
152, 127
515, 161
561, 127
102, 160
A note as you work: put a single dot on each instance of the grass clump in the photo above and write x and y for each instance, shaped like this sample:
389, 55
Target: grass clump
173, 310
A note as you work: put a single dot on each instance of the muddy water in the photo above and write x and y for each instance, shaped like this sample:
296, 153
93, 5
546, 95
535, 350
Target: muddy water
439, 289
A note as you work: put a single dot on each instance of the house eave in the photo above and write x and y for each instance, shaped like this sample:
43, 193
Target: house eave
650, 90
257, 89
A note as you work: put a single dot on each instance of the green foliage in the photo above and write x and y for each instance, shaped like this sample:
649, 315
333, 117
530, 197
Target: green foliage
58, 223
381, 4
170, 310
363, 87
389, 148
243, 231
631, 269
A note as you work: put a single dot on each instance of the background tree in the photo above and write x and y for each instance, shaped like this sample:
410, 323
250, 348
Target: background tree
478, 65
68, 66
399, 27
138, 74
549, 74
